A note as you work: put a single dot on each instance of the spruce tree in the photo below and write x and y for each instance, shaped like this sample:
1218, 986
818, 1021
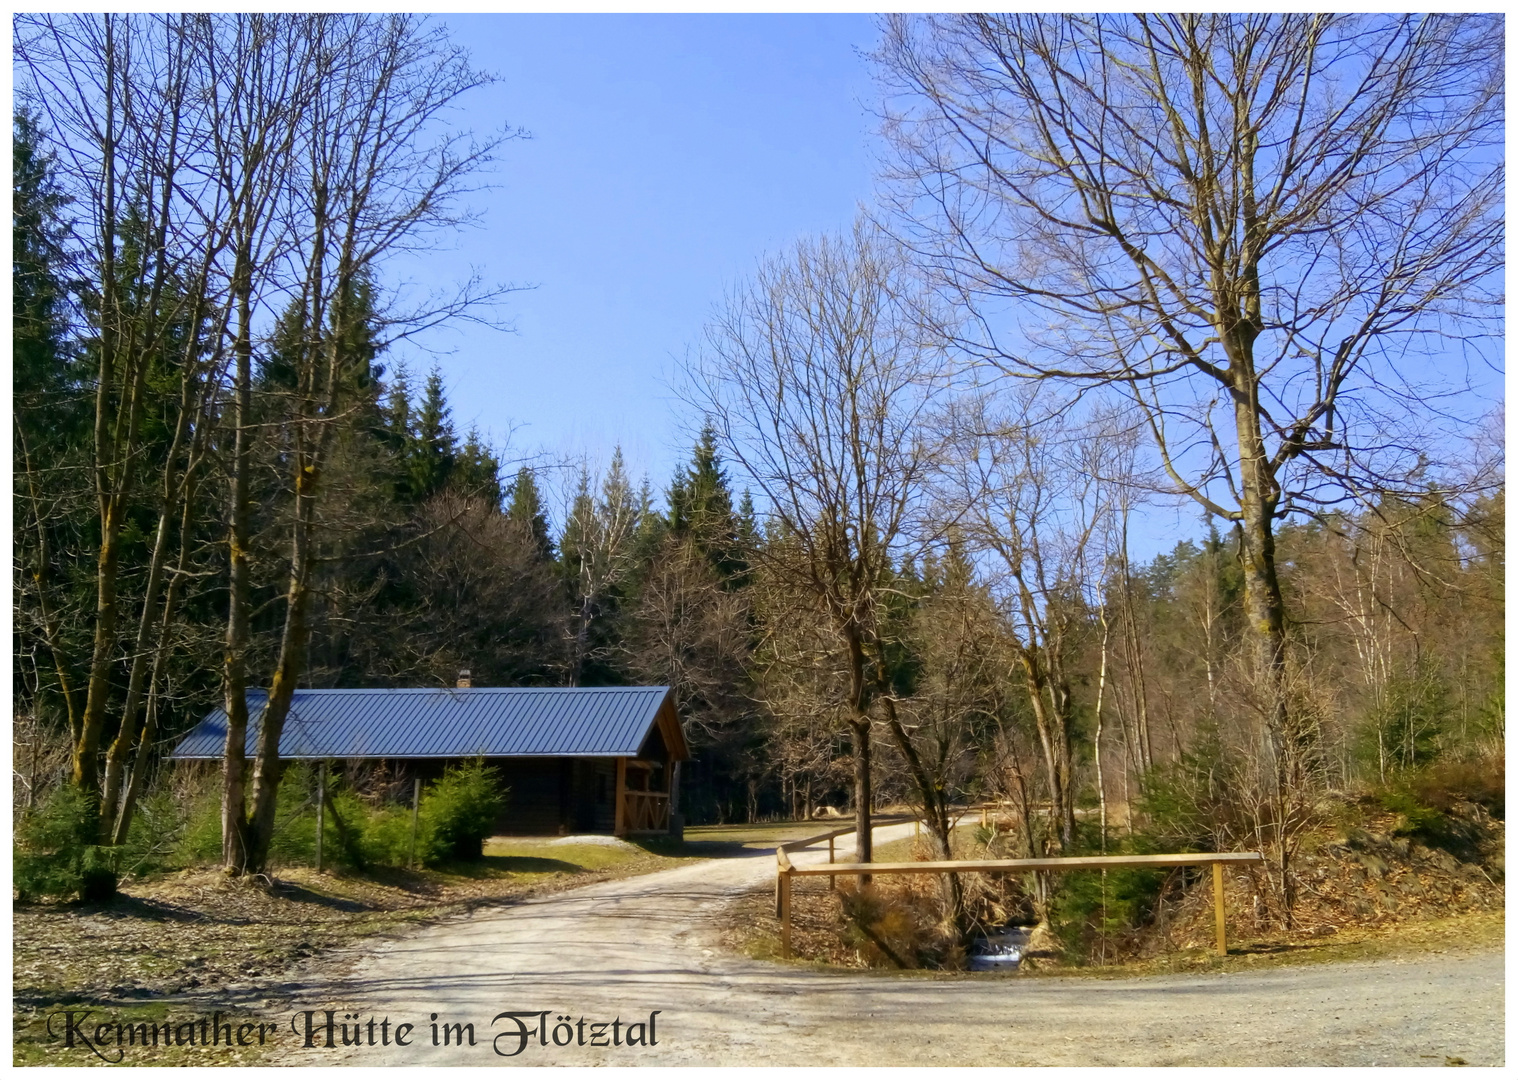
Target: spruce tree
701, 510
525, 507
42, 374
477, 472
432, 452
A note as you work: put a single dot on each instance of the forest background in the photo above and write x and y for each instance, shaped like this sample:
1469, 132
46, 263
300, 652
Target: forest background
896, 566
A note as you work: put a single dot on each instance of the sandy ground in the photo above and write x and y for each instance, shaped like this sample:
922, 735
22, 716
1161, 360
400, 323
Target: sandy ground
617, 951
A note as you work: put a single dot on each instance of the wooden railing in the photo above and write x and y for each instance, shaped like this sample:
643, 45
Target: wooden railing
876, 821
781, 856
645, 811
785, 870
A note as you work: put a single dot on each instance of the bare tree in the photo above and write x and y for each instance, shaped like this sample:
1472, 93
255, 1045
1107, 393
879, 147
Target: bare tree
239, 175
691, 634
112, 107
801, 681
129, 99
1259, 228
369, 176
821, 384
955, 635
1039, 487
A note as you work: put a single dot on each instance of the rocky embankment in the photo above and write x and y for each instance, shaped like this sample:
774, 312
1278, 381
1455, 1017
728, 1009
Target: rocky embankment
1372, 872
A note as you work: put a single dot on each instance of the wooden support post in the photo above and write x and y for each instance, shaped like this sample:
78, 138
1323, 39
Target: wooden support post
416, 805
784, 882
832, 878
673, 806
1217, 903
321, 806
619, 826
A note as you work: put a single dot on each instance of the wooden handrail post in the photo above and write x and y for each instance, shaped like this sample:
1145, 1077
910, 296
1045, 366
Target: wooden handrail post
321, 804
416, 805
1217, 903
784, 883
832, 878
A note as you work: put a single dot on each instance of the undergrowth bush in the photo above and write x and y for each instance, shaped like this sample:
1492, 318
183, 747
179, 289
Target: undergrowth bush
158, 825
178, 825
1434, 805
1192, 803
294, 840
1479, 781
892, 928
460, 811
57, 851
387, 837
200, 840
1089, 909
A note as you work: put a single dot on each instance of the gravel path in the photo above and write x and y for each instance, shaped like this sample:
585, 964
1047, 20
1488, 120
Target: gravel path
617, 951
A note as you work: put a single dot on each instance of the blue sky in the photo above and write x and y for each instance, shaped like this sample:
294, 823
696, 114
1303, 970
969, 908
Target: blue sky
667, 154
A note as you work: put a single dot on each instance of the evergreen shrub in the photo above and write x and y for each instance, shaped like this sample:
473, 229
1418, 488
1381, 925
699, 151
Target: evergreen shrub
56, 851
460, 811
387, 837
1087, 906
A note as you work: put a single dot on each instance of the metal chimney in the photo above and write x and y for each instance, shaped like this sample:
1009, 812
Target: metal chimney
463, 683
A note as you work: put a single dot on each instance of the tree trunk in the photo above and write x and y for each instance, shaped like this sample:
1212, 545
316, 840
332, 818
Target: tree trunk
234, 840
1054, 742
864, 844
138, 776
859, 723
1265, 610
312, 449
936, 812
126, 736
1101, 688
267, 769
1061, 709
176, 493
123, 349
87, 738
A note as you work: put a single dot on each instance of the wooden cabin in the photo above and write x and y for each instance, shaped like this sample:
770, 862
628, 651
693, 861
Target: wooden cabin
574, 760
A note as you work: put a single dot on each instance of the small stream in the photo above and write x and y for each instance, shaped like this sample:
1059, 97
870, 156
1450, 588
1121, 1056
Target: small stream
1000, 950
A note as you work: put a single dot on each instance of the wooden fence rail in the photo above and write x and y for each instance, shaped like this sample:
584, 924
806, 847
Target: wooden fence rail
876, 821
785, 870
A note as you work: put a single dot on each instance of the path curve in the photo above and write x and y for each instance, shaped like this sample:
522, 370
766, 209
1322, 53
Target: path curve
618, 950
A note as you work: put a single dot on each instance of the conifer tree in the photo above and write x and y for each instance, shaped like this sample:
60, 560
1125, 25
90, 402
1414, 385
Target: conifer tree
477, 472
38, 292
432, 450
525, 507
701, 510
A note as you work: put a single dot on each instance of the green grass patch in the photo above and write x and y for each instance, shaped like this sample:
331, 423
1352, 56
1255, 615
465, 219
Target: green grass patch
765, 834
530, 856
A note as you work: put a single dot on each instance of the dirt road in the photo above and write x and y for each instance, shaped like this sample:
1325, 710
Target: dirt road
614, 953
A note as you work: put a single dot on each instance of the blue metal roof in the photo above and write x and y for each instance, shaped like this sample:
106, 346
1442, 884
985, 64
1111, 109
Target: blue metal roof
448, 723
